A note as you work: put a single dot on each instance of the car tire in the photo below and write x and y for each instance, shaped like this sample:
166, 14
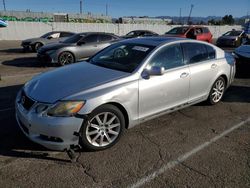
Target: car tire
37, 46
103, 129
217, 91
66, 58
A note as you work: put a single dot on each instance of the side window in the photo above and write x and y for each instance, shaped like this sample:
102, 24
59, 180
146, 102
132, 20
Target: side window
211, 52
168, 57
54, 36
198, 31
195, 52
65, 34
90, 39
205, 30
103, 38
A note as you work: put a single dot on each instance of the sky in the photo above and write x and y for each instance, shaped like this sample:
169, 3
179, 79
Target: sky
119, 8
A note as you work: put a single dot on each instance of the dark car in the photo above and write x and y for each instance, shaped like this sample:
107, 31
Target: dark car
139, 33
192, 32
35, 43
232, 38
242, 53
78, 47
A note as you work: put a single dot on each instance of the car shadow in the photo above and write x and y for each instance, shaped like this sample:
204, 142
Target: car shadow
15, 51
237, 94
243, 70
26, 62
13, 142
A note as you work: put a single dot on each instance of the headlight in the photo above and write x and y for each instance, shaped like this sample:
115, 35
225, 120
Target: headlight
65, 108
41, 108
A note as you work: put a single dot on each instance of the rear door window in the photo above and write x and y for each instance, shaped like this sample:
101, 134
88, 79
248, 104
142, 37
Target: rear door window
103, 38
194, 52
90, 39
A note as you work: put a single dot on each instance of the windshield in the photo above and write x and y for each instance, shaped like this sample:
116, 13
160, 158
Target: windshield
123, 57
232, 33
73, 39
178, 30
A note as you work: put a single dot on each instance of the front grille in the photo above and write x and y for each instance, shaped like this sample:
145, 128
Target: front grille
26, 101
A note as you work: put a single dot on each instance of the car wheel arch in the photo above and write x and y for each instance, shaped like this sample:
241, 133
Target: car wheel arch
120, 107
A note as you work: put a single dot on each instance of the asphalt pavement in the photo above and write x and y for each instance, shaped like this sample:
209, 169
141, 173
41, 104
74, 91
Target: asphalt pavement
199, 146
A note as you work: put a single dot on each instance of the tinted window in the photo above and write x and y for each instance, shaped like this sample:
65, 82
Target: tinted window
124, 57
90, 39
168, 57
65, 34
178, 30
73, 39
205, 30
195, 52
211, 52
105, 38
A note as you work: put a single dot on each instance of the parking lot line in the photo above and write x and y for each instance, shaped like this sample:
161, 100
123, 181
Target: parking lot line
185, 156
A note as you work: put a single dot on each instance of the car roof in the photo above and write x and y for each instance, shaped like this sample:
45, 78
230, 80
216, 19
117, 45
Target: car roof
88, 33
153, 41
62, 32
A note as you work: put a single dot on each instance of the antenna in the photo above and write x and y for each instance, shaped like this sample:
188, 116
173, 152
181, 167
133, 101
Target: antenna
192, 6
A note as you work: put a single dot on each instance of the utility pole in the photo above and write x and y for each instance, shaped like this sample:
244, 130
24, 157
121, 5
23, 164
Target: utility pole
106, 9
4, 7
180, 22
80, 6
192, 6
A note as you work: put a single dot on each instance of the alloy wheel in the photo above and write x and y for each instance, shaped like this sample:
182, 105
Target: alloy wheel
103, 129
218, 90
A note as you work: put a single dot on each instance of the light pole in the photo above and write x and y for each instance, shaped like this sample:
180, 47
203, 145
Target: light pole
4, 7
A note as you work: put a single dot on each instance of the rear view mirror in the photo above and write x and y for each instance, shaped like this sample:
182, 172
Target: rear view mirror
153, 71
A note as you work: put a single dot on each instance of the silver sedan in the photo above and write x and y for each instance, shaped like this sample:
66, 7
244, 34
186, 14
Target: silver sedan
91, 103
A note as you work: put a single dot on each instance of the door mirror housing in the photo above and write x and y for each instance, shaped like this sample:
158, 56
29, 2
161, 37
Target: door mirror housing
50, 37
152, 71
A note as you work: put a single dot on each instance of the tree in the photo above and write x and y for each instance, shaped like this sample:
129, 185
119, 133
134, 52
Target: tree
228, 20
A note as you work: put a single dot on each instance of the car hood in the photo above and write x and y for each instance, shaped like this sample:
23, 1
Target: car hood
57, 84
31, 40
54, 46
243, 50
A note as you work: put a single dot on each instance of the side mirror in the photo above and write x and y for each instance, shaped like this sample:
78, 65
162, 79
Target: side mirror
153, 71
49, 37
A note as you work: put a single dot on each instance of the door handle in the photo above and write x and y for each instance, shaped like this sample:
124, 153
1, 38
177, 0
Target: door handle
213, 66
184, 75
